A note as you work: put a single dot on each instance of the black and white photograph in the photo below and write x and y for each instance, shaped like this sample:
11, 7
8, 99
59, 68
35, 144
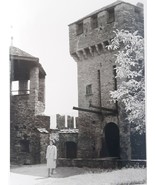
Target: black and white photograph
77, 88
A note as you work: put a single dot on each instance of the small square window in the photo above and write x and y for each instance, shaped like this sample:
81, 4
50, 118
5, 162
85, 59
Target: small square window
89, 89
79, 29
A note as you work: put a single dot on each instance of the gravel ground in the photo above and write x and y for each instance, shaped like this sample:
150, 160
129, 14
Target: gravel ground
37, 175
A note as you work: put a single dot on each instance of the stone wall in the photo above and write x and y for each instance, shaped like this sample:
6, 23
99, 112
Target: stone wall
44, 142
65, 135
41, 96
101, 163
20, 117
24, 137
39, 107
42, 121
60, 119
63, 139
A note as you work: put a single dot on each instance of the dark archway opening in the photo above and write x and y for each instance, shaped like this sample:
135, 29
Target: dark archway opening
112, 140
71, 149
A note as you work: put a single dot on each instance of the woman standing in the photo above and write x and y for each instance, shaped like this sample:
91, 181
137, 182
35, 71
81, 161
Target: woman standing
51, 156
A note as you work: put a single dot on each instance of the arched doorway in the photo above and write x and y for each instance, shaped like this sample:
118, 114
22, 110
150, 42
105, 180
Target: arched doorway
71, 149
112, 140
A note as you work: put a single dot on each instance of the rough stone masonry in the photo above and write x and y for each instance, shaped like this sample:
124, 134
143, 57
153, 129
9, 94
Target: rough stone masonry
103, 130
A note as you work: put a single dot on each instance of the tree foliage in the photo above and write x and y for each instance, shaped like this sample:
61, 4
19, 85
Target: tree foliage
130, 75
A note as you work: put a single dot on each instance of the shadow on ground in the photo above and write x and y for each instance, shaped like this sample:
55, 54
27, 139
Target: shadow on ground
41, 171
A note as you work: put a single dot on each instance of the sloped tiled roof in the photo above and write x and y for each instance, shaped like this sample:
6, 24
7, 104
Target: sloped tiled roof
20, 53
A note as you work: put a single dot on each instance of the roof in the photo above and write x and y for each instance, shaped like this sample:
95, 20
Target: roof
66, 131
101, 9
20, 55
14, 51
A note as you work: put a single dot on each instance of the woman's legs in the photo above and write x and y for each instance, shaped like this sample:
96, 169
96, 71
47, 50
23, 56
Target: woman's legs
49, 172
52, 170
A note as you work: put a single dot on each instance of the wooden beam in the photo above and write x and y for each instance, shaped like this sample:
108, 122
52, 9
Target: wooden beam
96, 112
87, 110
103, 108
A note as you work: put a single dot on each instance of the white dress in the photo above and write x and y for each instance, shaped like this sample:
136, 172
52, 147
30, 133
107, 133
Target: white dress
51, 156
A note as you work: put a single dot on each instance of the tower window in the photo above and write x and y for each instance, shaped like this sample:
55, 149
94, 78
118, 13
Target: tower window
89, 89
111, 15
94, 22
79, 29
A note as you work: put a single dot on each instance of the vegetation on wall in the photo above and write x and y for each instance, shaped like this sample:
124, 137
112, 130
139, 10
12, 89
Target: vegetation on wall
130, 73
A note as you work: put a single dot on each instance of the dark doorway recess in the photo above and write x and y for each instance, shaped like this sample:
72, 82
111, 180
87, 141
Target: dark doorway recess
112, 140
71, 149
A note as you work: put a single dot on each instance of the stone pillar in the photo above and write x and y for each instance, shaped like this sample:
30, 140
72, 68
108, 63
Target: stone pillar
74, 121
102, 18
41, 90
87, 25
34, 84
125, 17
72, 37
70, 122
60, 121
23, 86
44, 140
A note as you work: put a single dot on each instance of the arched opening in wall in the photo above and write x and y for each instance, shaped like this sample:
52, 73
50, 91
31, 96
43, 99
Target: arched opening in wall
112, 140
71, 149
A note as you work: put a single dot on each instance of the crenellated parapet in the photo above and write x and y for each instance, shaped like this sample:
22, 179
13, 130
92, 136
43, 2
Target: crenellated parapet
90, 35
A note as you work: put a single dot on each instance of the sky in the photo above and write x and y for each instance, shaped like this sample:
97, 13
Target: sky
40, 27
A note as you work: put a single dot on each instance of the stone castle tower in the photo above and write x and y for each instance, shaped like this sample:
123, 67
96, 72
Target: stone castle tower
27, 104
103, 130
